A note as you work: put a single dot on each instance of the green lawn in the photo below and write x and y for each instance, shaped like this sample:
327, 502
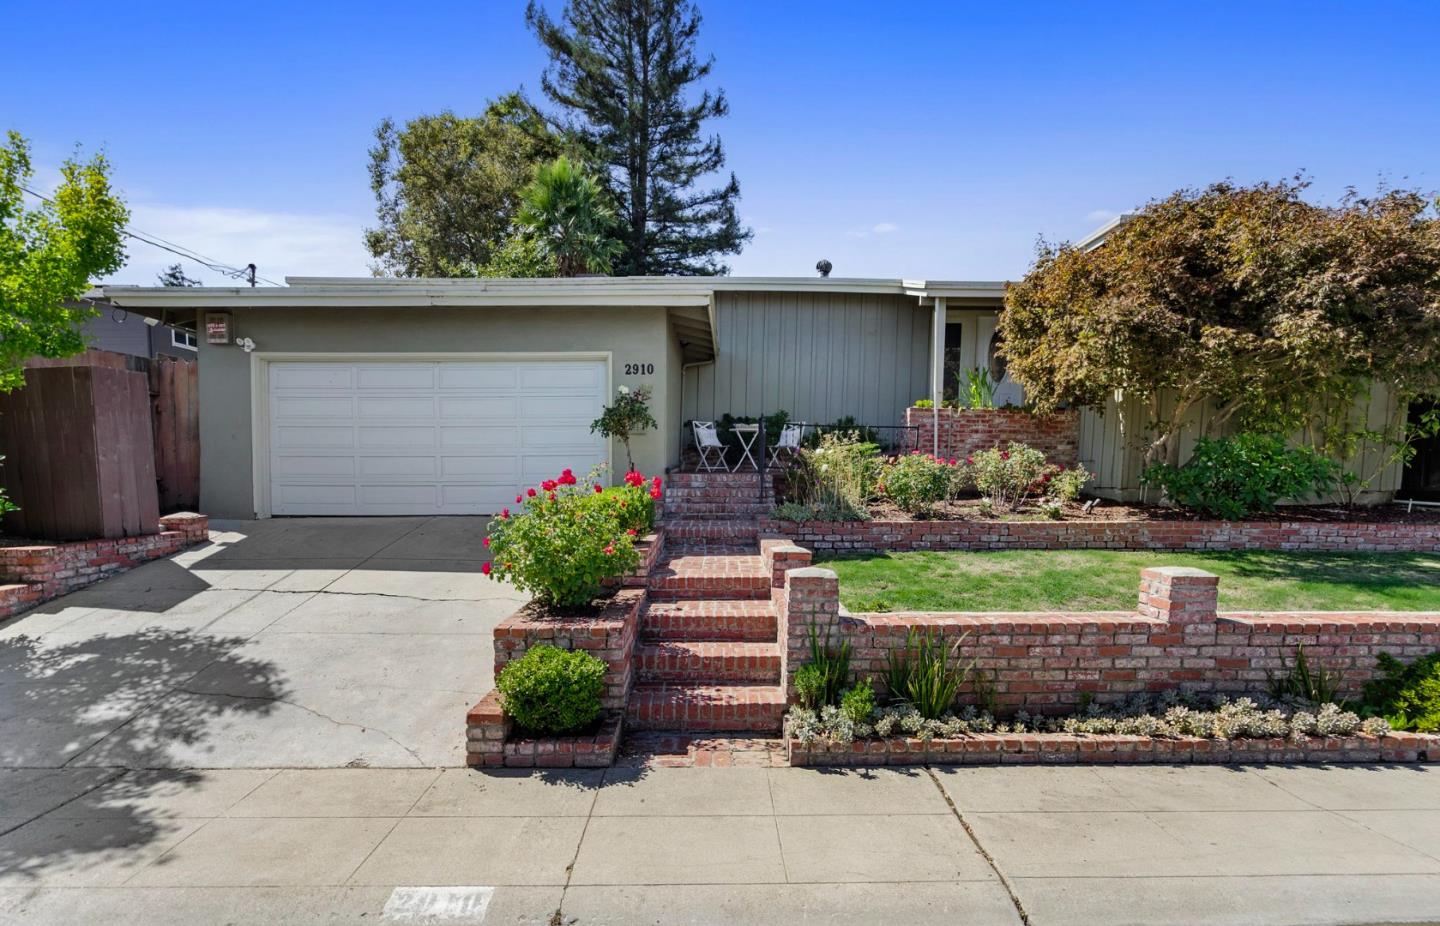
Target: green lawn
1106, 580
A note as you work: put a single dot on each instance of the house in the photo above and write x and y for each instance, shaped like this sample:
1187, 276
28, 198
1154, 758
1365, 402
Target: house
335, 396
120, 332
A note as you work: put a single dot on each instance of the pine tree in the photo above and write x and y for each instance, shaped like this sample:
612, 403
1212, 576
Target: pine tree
621, 72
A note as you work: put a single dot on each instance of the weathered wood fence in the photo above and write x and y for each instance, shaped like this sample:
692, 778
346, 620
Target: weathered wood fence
100, 446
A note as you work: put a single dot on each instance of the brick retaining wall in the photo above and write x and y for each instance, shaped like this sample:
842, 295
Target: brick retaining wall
30, 575
608, 636
964, 431
1317, 536
1175, 639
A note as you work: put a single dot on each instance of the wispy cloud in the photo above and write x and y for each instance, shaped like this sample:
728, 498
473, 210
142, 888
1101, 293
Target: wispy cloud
879, 228
278, 243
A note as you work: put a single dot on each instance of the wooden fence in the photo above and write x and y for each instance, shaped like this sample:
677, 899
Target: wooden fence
175, 404
99, 445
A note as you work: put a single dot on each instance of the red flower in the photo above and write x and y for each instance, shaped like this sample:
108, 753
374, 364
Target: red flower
969, 461
631, 532
634, 479
567, 478
656, 494
953, 461
530, 492
505, 513
1004, 454
549, 485
552, 496
655, 482
598, 490
486, 541
485, 568
610, 550
519, 500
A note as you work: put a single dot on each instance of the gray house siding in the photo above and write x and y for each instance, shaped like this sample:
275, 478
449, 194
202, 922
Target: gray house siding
817, 356
128, 334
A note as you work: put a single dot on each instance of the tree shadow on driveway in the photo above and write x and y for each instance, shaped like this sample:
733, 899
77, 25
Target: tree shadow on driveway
65, 698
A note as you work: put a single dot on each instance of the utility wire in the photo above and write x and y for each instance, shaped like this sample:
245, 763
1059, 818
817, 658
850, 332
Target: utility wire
155, 241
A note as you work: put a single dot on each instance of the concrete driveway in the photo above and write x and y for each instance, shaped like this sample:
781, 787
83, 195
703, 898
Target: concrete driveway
318, 642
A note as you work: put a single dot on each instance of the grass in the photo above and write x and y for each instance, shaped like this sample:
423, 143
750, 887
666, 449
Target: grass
1107, 580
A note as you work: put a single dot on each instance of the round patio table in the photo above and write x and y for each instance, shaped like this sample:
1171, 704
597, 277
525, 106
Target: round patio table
741, 432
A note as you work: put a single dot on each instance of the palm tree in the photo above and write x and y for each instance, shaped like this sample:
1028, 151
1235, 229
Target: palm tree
569, 216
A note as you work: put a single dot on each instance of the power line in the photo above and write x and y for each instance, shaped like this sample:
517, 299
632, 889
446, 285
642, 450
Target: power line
246, 273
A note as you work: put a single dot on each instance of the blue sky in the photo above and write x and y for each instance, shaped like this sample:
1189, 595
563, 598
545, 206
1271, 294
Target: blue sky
910, 138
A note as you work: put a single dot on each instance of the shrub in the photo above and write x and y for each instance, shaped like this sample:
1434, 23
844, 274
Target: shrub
837, 478
848, 426
795, 511
830, 667
561, 546
859, 702
1407, 696
628, 414
923, 403
1303, 682
917, 482
632, 503
1008, 477
1051, 508
810, 687
927, 674
1237, 476
1065, 483
551, 690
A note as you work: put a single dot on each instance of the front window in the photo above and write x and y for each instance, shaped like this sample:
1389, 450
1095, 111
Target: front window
182, 338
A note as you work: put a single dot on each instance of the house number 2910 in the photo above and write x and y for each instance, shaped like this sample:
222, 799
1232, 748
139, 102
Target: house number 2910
639, 369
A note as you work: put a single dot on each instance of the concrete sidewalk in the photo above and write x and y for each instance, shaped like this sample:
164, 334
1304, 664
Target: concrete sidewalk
713, 845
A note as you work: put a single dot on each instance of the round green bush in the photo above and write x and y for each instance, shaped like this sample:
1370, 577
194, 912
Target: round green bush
551, 690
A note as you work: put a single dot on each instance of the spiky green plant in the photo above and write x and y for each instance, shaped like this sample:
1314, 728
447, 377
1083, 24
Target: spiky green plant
831, 665
1306, 682
927, 674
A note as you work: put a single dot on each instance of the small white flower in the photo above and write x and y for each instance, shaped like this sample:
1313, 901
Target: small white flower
624, 390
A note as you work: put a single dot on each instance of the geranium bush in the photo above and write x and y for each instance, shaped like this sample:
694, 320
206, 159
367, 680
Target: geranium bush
1009, 477
917, 482
632, 503
562, 545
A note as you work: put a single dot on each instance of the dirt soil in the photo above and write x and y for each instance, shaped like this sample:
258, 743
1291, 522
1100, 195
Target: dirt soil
969, 510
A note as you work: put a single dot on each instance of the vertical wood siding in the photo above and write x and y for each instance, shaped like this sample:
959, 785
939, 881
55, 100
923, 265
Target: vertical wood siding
176, 404
1112, 443
817, 356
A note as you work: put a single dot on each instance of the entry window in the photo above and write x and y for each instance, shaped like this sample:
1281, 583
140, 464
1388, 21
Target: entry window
955, 365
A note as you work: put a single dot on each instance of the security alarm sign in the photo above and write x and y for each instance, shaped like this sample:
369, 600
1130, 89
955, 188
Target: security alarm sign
217, 327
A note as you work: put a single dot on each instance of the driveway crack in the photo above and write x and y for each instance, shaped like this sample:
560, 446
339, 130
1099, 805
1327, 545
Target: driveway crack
310, 710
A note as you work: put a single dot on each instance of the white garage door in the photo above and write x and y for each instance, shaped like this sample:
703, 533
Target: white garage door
449, 437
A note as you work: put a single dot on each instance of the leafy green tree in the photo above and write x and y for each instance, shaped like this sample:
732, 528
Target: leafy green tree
1274, 310
174, 275
623, 74
447, 187
49, 254
569, 217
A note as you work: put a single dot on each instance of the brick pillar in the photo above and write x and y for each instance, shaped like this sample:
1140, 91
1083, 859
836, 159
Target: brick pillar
811, 596
1179, 595
781, 555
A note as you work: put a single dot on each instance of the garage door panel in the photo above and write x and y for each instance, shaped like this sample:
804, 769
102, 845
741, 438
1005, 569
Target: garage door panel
395, 376
311, 376
311, 437
411, 407
408, 467
502, 470
444, 437
335, 407
554, 377
493, 437
313, 466
487, 376
379, 437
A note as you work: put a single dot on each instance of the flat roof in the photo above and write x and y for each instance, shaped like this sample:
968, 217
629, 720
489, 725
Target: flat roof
595, 291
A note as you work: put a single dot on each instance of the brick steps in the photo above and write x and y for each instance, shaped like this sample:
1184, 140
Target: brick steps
705, 707
707, 660
722, 573
701, 620
683, 530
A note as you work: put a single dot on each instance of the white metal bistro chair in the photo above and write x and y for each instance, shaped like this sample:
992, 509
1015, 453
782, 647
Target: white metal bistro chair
712, 449
787, 446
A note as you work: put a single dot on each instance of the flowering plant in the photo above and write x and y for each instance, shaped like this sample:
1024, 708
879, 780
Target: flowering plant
561, 546
629, 414
1011, 476
633, 503
918, 481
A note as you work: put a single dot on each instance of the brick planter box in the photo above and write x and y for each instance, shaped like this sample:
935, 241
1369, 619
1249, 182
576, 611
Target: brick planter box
30, 575
1067, 748
964, 431
609, 636
900, 536
490, 742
